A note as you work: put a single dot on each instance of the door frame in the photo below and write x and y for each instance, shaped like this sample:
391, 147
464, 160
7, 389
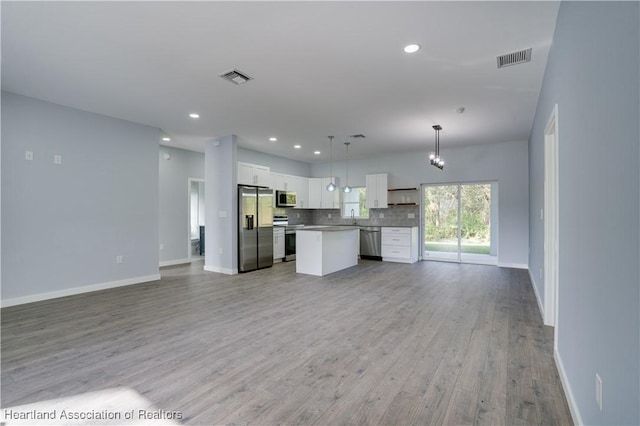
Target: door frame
190, 181
551, 222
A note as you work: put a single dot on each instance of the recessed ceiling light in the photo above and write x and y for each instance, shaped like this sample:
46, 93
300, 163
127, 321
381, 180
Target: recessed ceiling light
316, 152
272, 139
297, 146
166, 139
411, 48
194, 115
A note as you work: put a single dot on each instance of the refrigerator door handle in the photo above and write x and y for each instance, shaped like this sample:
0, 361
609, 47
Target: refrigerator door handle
249, 219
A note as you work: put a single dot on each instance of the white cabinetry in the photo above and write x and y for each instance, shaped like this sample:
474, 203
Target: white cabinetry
330, 199
278, 243
319, 197
315, 193
377, 191
400, 244
301, 187
253, 174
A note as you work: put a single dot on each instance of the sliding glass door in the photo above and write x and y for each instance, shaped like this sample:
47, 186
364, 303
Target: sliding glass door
458, 221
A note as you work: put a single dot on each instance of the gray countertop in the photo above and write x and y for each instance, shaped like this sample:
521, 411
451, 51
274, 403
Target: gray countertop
327, 228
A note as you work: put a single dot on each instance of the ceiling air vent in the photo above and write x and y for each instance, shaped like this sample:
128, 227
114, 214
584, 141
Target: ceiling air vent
514, 58
236, 77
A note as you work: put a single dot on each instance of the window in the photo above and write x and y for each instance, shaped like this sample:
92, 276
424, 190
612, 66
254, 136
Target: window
353, 204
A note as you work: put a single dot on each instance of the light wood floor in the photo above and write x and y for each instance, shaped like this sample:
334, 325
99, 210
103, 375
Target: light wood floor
380, 343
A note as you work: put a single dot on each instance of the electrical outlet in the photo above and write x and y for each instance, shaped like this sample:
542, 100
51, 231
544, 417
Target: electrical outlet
57, 159
28, 155
329, 215
220, 251
119, 259
298, 215
541, 214
161, 246
411, 215
381, 216
599, 391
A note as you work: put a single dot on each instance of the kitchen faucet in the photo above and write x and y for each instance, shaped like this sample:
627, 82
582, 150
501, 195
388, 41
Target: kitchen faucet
353, 217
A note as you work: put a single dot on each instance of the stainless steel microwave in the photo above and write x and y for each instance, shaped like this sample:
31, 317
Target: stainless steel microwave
286, 199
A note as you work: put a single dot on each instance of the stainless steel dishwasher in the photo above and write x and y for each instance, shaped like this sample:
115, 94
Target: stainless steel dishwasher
371, 242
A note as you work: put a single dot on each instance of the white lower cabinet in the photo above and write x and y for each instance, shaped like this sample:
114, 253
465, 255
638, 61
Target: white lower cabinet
400, 244
278, 243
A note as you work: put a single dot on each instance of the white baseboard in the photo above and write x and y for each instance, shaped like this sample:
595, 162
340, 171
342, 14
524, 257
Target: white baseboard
219, 270
78, 290
538, 299
573, 407
175, 262
513, 265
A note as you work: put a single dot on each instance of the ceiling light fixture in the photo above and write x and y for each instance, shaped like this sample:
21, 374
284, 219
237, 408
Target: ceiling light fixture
316, 152
347, 188
297, 146
411, 48
166, 139
194, 115
434, 157
331, 186
272, 139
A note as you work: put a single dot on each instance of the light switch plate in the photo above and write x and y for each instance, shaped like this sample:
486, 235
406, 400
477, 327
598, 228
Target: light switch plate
57, 159
381, 216
28, 155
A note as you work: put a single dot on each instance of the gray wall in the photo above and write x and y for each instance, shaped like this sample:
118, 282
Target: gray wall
63, 225
174, 200
277, 164
505, 163
592, 74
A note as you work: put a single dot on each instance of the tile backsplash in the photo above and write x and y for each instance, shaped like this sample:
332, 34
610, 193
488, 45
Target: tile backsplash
393, 216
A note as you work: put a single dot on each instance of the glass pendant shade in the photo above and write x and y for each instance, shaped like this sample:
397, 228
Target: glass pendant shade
331, 186
347, 189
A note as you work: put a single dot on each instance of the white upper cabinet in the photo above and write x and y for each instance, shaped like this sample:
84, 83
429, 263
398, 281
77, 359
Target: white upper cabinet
300, 185
319, 197
253, 174
315, 193
280, 182
377, 191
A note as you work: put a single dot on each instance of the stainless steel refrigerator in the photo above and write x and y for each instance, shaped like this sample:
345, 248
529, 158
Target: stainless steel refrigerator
255, 228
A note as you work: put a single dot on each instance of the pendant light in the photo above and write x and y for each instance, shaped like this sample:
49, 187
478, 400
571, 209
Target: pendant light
347, 188
331, 186
434, 157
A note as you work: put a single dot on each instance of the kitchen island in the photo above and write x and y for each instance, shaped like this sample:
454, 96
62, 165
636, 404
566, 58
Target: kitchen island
322, 250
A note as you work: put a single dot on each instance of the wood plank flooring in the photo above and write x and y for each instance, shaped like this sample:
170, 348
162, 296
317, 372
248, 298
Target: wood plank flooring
379, 343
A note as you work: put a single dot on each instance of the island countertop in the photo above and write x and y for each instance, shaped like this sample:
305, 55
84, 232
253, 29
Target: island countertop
327, 228
327, 249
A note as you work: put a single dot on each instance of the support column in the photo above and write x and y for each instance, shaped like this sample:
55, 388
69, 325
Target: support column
221, 205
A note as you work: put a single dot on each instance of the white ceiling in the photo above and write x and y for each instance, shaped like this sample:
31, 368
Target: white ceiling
319, 69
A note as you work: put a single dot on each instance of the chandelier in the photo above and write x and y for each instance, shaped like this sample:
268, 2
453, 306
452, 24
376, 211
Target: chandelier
434, 157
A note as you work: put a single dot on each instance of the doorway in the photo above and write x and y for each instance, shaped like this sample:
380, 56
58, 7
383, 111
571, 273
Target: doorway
460, 222
196, 241
550, 217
